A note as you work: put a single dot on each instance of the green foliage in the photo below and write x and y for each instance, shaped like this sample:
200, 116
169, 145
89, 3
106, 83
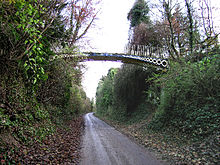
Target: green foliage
25, 25
130, 83
119, 95
56, 89
184, 99
62, 90
141, 113
37, 93
190, 97
34, 117
77, 102
104, 94
26, 37
138, 13
4, 119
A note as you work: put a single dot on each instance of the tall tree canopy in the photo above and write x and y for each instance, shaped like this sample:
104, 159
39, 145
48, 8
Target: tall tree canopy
138, 13
81, 15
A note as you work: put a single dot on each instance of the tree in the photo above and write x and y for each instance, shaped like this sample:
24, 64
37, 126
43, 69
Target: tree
129, 84
184, 31
170, 21
210, 37
147, 34
191, 24
104, 94
24, 29
138, 13
178, 28
81, 16
140, 25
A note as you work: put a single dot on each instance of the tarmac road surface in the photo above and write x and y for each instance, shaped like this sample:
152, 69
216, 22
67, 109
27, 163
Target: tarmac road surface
103, 145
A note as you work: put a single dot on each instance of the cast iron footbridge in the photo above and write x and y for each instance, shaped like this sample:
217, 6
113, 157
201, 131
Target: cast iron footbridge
136, 54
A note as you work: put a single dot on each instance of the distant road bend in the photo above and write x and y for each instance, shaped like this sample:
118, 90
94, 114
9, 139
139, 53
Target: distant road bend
103, 145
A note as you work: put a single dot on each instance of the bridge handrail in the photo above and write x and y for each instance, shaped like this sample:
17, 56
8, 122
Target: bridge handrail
147, 51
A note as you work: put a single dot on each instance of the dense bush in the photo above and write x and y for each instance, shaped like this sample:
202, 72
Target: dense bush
120, 95
104, 94
36, 92
63, 90
186, 98
130, 84
55, 101
190, 98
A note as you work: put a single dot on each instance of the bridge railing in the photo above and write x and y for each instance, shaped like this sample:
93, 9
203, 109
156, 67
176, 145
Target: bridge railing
146, 51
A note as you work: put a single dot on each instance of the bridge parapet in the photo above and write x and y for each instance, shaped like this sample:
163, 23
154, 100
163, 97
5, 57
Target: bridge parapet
147, 51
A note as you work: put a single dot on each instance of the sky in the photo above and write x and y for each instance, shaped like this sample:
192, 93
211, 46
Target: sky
110, 34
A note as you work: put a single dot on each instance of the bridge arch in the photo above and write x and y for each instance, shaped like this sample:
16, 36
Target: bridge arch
137, 54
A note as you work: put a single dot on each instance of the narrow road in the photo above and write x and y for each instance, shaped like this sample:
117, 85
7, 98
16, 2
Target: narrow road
103, 145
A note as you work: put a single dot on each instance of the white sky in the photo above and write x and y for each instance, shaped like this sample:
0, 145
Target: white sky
111, 31
94, 72
111, 35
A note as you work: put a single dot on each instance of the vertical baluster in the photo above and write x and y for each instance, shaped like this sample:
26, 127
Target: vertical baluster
133, 49
136, 49
164, 52
139, 50
130, 48
148, 51
158, 52
145, 54
159, 49
153, 51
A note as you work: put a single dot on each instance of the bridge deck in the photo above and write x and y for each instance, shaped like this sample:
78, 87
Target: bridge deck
125, 58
